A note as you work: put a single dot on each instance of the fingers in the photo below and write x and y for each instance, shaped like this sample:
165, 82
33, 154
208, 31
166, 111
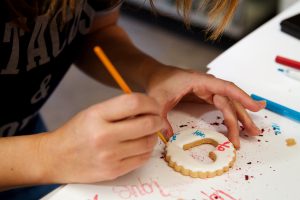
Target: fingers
168, 131
127, 105
229, 89
137, 147
230, 118
132, 163
245, 119
131, 155
137, 127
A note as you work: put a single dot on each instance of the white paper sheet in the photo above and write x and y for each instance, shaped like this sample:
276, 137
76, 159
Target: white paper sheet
265, 167
251, 62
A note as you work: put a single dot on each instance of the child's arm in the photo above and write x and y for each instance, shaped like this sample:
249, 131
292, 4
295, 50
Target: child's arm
100, 143
165, 83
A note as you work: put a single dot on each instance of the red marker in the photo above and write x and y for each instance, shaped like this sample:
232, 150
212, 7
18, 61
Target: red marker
288, 62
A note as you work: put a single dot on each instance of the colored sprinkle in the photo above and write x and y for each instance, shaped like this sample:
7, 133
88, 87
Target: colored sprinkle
276, 128
199, 133
249, 163
246, 177
290, 142
181, 126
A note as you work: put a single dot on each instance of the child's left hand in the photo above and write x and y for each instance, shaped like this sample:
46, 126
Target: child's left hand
170, 85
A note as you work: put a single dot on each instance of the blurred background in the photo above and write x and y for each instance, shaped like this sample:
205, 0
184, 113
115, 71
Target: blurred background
164, 37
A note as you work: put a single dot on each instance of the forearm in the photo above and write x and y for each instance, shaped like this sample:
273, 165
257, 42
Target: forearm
134, 65
21, 161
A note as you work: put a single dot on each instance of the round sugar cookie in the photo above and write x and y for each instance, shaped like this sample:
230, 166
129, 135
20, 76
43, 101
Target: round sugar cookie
180, 160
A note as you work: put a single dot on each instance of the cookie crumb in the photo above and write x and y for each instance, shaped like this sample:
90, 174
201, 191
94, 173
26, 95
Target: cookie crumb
290, 142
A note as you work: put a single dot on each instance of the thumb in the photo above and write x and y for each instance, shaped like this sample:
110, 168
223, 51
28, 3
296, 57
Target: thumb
168, 130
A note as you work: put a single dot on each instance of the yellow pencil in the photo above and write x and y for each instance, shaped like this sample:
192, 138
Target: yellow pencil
115, 74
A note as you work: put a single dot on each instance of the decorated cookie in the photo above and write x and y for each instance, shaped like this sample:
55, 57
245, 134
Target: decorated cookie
180, 160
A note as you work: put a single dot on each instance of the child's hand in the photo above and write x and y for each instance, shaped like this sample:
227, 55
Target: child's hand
170, 85
104, 141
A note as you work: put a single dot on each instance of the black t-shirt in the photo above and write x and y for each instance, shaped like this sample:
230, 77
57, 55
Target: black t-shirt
32, 63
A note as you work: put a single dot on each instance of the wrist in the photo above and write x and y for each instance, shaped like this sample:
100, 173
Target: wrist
47, 156
157, 75
22, 161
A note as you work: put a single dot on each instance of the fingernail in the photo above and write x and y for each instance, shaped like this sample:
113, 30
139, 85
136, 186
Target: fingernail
236, 144
257, 130
166, 133
262, 103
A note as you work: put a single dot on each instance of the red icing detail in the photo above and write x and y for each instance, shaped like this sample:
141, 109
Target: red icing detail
221, 147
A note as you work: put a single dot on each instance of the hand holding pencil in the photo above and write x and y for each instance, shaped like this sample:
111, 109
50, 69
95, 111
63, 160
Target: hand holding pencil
115, 74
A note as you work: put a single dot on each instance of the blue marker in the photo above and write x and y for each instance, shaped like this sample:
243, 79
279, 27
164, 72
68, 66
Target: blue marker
279, 109
290, 73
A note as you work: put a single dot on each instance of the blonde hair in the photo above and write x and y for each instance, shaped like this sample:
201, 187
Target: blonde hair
220, 11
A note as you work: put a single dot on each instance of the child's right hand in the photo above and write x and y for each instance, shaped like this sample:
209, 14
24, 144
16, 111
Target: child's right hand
102, 142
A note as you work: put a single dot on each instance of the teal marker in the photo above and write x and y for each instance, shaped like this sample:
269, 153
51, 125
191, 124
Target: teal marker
279, 109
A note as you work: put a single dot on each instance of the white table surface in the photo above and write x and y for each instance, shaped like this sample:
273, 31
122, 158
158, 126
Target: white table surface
251, 62
271, 167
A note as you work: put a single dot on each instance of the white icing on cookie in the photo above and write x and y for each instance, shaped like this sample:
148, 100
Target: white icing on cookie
224, 154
